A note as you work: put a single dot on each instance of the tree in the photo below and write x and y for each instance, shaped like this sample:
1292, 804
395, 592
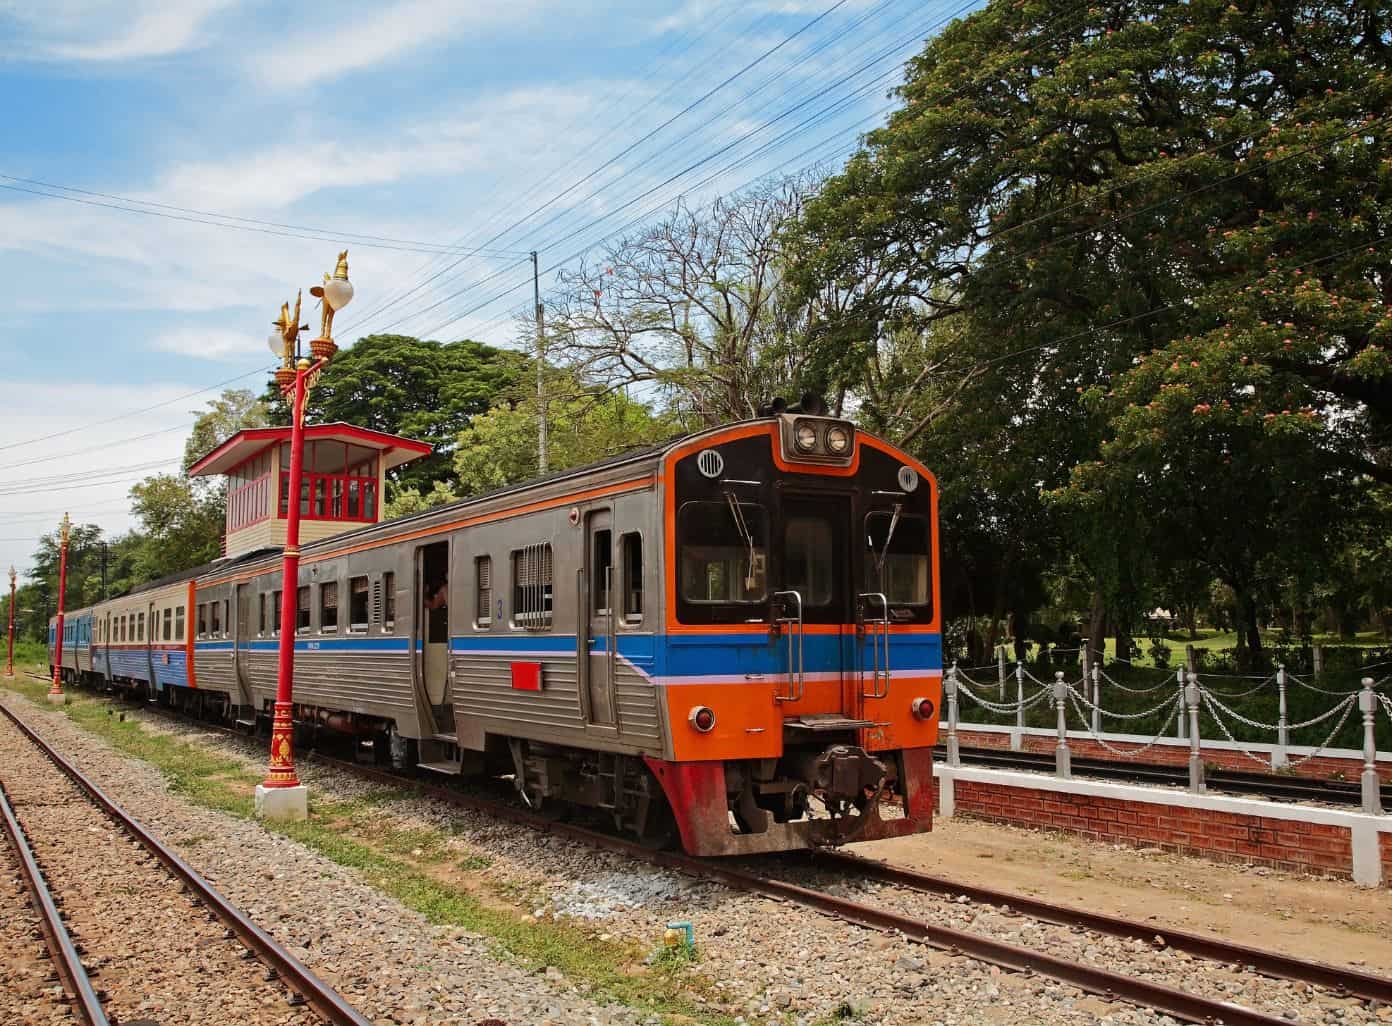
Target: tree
692, 306
422, 389
584, 425
235, 410
1080, 188
180, 526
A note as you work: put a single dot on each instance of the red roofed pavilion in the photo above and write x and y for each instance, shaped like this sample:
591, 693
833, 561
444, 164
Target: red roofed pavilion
344, 476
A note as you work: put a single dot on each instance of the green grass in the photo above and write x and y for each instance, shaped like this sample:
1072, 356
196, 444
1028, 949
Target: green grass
414, 866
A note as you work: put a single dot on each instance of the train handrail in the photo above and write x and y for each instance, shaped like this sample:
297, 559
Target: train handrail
797, 680
878, 638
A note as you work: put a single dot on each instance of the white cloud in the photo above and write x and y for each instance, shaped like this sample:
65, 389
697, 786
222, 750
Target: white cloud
107, 32
212, 344
379, 34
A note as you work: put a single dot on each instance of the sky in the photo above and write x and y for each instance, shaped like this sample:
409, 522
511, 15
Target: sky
172, 172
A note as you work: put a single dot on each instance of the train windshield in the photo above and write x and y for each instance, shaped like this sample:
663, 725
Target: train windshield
897, 558
724, 552
809, 552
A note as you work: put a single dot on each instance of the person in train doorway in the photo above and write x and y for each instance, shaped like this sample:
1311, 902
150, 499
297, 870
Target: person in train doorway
437, 609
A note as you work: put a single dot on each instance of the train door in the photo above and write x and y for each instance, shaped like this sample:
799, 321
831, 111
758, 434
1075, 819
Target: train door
433, 631
151, 633
241, 650
597, 620
816, 602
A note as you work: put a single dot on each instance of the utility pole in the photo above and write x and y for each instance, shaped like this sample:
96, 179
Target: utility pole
541, 367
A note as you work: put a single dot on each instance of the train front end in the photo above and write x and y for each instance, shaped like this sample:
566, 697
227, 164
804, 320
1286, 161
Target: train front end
802, 666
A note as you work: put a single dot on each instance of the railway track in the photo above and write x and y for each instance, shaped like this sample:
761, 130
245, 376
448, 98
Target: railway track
1179, 1003
166, 944
1240, 782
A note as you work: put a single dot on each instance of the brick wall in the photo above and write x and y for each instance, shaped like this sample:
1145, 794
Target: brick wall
1320, 767
1249, 839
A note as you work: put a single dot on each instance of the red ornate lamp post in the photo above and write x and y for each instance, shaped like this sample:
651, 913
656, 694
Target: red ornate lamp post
9, 662
282, 796
55, 693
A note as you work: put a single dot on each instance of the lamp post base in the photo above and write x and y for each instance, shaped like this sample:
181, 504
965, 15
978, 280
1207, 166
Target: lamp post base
57, 697
282, 802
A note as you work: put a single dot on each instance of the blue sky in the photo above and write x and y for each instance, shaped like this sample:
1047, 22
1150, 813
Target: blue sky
436, 124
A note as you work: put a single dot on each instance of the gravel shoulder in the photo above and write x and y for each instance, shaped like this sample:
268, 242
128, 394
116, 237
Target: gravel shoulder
29, 991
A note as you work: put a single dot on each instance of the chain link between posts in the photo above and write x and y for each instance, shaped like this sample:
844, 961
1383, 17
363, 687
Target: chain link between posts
1161, 735
1209, 702
1316, 688
999, 707
1115, 715
1167, 682
1348, 705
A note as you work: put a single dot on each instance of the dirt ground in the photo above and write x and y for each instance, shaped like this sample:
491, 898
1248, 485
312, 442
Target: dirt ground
1320, 919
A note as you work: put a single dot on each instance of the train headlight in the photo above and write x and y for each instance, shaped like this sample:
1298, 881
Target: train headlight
805, 436
923, 708
701, 718
838, 440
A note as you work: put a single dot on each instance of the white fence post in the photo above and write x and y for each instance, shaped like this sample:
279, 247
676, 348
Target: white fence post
1000, 669
1372, 785
1279, 757
1063, 761
1317, 660
1196, 770
1017, 733
954, 751
1180, 721
1096, 699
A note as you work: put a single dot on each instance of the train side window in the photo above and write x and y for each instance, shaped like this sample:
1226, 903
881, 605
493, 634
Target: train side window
532, 572
202, 619
216, 624
261, 616
328, 607
226, 617
483, 591
140, 625
602, 564
357, 604
302, 609
631, 549
275, 611
168, 624
178, 623
388, 602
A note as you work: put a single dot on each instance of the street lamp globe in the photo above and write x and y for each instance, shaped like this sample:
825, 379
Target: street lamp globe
338, 292
276, 342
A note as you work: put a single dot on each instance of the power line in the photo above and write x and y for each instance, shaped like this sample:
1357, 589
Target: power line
689, 107
132, 413
137, 206
95, 448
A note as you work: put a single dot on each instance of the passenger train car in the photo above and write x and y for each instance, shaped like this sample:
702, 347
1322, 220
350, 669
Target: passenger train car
733, 639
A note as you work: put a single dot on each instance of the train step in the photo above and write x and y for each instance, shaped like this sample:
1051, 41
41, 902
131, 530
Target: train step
447, 766
822, 723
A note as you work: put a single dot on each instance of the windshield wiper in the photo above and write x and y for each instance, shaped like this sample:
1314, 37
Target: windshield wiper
742, 526
889, 537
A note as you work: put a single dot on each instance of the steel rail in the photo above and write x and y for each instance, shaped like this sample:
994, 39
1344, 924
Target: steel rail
1115, 986
314, 991
1368, 986
66, 960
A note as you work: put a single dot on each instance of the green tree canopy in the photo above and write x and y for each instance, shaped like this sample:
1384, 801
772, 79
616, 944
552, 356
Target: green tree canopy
422, 389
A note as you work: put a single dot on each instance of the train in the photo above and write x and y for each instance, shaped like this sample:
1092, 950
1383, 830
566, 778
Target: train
730, 641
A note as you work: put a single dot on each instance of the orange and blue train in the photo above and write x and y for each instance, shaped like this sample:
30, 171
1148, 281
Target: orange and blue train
731, 640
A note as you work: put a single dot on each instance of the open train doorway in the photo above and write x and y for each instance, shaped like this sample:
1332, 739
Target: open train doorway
432, 642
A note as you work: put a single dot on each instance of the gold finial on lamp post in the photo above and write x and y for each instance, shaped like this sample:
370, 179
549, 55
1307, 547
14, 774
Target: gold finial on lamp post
334, 294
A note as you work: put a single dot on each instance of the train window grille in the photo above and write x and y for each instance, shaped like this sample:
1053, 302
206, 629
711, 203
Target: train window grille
215, 623
178, 623
202, 629
532, 587
226, 617
389, 602
631, 546
140, 625
357, 605
328, 607
261, 614
302, 609
483, 591
277, 604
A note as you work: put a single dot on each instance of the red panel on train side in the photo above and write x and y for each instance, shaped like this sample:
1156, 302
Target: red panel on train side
526, 676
